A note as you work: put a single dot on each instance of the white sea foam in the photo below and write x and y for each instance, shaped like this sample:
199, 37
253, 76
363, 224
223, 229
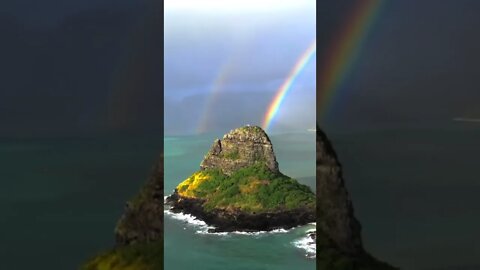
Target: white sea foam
261, 232
204, 228
200, 226
206, 232
308, 244
187, 218
280, 231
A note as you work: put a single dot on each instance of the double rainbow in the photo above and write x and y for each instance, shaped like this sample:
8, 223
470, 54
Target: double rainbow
339, 60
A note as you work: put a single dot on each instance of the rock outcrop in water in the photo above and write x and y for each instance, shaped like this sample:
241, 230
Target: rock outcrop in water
239, 187
139, 232
339, 242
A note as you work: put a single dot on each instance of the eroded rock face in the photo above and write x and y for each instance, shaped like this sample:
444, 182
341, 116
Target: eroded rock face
142, 220
339, 244
335, 217
246, 147
240, 148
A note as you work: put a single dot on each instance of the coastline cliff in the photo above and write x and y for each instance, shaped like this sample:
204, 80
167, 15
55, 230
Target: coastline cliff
338, 235
241, 155
239, 187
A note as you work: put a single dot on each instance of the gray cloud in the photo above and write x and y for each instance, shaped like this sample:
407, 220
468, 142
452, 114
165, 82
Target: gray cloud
254, 53
233, 109
261, 48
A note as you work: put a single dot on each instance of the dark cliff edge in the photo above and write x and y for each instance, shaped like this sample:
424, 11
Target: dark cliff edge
139, 231
339, 241
142, 220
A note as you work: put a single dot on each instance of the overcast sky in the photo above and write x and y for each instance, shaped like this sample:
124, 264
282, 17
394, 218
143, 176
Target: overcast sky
257, 46
90, 67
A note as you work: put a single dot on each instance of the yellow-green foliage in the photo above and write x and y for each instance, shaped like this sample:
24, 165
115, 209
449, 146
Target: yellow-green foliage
252, 185
133, 257
187, 187
251, 189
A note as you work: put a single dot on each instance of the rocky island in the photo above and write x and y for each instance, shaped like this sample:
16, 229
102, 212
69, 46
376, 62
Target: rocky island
239, 187
139, 232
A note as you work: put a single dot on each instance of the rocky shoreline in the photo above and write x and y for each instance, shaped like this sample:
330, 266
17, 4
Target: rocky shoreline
235, 220
336, 242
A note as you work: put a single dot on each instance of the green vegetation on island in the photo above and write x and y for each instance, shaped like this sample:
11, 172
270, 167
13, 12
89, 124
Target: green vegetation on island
240, 174
252, 189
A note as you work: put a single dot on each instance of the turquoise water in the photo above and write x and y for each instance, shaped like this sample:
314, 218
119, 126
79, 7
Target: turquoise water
416, 193
188, 246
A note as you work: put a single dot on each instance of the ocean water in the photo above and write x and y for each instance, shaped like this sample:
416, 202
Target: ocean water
415, 191
60, 198
187, 243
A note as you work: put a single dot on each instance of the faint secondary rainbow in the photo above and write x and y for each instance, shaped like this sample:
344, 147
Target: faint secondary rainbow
343, 52
205, 120
287, 85
217, 86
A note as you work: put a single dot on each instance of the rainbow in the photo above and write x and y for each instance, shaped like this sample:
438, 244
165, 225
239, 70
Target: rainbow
287, 85
218, 83
344, 51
